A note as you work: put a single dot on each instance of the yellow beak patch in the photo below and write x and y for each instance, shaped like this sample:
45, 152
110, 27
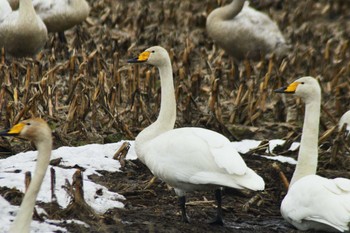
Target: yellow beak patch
16, 129
144, 56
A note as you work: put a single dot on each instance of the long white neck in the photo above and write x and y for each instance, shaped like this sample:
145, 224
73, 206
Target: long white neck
167, 113
26, 11
227, 12
24, 215
308, 151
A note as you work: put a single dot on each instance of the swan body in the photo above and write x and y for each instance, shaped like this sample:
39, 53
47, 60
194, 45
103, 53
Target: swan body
191, 158
312, 201
188, 158
22, 32
61, 15
244, 32
39, 133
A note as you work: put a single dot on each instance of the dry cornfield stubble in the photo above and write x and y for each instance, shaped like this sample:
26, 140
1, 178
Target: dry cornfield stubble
88, 93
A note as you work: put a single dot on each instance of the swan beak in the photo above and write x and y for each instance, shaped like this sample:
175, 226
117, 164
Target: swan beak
280, 90
14, 131
143, 57
288, 89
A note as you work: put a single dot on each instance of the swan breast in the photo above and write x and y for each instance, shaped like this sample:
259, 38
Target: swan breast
14, 32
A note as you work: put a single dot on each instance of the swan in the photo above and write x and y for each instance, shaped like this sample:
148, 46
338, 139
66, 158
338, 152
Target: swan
345, 119
37, 131
22, 32
188, 158
312, 201
61, 15
244, 32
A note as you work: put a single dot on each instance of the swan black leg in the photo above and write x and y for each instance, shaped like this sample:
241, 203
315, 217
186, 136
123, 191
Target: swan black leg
182, 202
218, 219
62, 37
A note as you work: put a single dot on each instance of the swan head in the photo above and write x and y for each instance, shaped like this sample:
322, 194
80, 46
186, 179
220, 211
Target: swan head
35, 130
156, 55
307, 88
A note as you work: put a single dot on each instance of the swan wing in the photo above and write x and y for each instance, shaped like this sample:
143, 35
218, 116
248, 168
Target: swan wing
318, 203
250, 180
260, 24
222, 150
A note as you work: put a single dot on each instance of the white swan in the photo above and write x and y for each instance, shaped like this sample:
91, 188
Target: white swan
22, 32
244, 32
345, 119
188, 158
61, 15
37, 131
312, 201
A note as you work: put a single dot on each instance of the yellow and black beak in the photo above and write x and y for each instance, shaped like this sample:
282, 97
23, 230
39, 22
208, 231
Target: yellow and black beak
143, 57
14, 131
288, 89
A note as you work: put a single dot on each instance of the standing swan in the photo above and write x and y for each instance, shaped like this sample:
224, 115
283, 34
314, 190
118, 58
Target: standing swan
61, 15
244, 32
312, 201
189, 158
22, 32
37, 131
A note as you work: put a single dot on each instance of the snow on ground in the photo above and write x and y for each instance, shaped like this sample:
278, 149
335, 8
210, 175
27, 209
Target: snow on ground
246, 145
93, 158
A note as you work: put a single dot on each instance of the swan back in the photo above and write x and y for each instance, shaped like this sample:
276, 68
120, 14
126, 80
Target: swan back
245, 32
60, 15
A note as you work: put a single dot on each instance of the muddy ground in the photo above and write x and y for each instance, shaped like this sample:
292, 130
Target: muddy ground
89, 94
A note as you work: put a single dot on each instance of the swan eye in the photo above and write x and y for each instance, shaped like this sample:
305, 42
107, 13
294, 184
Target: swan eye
302, 83
28, 123
153, 51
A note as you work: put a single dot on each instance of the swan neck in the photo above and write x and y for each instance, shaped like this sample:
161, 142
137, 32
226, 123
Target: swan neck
308, 151
229, 11
24, 215
167, 114
26, 11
